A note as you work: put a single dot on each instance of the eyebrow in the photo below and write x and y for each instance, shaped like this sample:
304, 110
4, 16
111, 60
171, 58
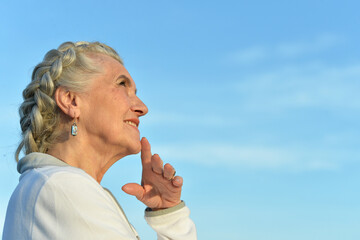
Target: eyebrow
122, 76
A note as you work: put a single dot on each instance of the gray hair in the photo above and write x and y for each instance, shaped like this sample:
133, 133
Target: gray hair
68, 66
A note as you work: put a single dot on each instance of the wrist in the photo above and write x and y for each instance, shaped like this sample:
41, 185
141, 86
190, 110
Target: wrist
148, 209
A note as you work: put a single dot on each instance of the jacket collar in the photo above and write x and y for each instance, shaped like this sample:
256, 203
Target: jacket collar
38, 160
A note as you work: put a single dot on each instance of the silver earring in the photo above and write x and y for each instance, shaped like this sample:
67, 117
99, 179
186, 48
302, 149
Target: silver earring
74, 129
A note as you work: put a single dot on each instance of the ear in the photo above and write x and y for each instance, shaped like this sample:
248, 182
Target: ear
68, 102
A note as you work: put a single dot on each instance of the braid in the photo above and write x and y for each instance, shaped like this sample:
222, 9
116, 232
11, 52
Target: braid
39, 113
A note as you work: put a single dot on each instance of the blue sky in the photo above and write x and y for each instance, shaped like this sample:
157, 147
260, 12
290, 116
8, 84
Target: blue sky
256, 104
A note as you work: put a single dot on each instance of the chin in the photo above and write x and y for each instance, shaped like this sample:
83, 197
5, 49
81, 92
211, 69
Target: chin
134, 148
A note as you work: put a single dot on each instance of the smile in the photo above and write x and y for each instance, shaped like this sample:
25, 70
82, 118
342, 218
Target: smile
131, 123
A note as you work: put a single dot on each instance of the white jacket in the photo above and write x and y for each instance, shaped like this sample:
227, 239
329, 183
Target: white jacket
54, 200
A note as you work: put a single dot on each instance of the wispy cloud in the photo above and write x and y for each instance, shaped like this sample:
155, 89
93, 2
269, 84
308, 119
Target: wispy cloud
298, 48
254, 157
248, 56
302, 86
174, 118
285, 50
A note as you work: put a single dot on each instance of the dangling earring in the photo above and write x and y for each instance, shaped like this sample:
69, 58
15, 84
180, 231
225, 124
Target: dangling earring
74, 129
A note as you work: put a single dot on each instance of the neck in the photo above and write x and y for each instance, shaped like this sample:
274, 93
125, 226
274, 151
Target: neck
94, 159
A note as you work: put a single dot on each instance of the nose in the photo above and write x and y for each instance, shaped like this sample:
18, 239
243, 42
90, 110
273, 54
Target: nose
139, 107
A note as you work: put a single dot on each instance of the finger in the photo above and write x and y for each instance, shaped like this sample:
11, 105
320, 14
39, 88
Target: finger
169, 171
134, 189
157, 164
177, 181
145, 153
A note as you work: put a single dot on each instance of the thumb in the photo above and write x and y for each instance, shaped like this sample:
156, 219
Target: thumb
134, 189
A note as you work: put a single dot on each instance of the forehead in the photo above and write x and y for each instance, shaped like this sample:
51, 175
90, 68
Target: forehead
105, 62
109, 72
108, 65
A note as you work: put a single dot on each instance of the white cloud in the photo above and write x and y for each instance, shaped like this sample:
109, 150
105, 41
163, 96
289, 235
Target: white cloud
302, 86
174, 118
249, 55
254, 157
285, 50
318, 44
310, 84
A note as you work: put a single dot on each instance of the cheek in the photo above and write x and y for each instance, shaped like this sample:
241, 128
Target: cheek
106, 113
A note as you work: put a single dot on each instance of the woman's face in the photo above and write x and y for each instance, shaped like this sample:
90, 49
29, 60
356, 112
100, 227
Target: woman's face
110, 110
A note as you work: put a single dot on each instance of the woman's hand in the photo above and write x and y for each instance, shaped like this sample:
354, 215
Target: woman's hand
159, 188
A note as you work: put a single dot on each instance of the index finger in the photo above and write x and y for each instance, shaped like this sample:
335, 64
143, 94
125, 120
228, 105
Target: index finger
145, 153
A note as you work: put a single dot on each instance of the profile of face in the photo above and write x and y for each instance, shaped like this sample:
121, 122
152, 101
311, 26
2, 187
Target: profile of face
110, 109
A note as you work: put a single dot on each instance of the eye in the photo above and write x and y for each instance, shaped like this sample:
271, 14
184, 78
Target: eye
123, 83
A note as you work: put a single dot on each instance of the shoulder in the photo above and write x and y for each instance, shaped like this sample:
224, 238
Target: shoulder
57, 178
62, 184
53, 201
54, 188
71, 194
69, 177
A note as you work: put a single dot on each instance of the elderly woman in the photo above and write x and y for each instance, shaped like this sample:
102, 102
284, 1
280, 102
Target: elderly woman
79, 116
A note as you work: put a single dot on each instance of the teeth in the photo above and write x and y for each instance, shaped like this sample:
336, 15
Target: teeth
131, 123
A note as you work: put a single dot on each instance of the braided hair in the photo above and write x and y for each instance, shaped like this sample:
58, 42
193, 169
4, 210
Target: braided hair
69, 66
